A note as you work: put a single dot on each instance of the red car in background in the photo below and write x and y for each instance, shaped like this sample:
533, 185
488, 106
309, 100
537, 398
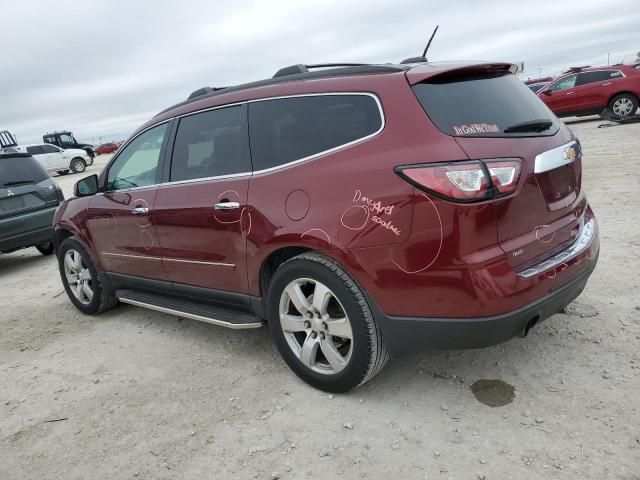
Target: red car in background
106, 148
590, 90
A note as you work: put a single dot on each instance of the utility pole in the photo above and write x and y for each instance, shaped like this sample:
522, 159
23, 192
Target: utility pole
608, 58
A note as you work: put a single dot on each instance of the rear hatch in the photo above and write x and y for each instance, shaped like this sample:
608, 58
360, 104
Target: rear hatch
25, 186
493, 115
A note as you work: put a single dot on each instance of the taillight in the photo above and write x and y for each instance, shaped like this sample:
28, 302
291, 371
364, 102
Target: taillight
504, 175
465, 181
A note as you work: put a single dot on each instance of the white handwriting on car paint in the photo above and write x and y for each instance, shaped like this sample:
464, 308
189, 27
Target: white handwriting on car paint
439, 246
376, 207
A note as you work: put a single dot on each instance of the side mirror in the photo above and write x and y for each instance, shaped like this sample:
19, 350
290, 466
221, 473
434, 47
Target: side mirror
86, 187
547, 92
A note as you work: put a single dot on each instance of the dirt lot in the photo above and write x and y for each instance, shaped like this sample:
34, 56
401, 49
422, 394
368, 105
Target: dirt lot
139, 394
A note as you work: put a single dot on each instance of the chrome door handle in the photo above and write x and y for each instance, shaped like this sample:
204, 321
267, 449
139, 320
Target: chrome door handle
140, 211
571, 93
605, 84
227, 205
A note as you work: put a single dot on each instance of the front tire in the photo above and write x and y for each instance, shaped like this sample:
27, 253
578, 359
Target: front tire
45, 248
322, 324
81, 279
623, 105
78, 165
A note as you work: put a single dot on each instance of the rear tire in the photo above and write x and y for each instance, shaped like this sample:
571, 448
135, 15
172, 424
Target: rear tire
78, 165
623, 105
45, 248
339, 323
81, 280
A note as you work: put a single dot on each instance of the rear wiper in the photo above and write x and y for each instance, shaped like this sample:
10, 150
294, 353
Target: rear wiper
16, 182
530, 126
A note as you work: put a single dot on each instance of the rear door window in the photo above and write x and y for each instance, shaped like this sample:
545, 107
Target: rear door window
592, 77
35, 150
483, 106
211, 144
285, 130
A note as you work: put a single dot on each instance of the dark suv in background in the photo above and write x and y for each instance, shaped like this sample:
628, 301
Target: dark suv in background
359, 211
28, 201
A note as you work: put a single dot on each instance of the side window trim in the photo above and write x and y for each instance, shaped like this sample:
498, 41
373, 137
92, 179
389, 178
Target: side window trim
105, 173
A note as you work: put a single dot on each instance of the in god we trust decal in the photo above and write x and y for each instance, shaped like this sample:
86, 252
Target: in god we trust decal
476, 128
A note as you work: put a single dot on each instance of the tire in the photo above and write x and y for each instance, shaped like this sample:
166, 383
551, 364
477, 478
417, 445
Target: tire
355, 360
45, 248
78, 165
623, 105
102, 298
62, 172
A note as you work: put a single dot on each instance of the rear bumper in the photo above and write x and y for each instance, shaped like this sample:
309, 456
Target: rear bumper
27, 230
403, 334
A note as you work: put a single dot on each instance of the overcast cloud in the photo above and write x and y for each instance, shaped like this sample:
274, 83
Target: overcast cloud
102, 68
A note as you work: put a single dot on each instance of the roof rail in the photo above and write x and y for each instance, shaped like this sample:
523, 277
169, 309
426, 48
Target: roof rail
204, 91
577, 69
301, 68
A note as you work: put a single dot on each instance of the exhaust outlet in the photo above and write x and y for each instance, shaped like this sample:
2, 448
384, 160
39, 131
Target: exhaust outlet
530, 324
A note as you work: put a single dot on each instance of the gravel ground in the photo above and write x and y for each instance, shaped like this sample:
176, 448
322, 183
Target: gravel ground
138, 394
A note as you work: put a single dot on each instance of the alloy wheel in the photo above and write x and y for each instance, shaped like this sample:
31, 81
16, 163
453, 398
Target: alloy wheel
78, 276
316, 326
623, 106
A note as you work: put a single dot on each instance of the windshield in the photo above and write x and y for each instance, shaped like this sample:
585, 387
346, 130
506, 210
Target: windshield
485, 106
20, 170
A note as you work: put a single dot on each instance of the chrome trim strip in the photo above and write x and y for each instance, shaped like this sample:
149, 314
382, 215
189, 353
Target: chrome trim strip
577, 247
199, 262
141, 257
168, 259
554, 158
191, 316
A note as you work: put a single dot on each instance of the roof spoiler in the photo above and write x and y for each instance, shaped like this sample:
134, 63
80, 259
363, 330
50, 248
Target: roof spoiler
422, 73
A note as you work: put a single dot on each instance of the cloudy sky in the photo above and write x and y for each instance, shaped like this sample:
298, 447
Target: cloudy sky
101, 68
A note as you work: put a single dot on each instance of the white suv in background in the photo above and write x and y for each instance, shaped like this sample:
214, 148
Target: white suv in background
55, 159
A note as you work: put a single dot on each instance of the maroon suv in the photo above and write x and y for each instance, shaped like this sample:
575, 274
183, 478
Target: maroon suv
359, 211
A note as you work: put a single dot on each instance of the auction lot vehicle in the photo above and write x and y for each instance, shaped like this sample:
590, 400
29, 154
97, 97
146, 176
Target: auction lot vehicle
591, 90
28, 201
106, 148
360, 211
55, 159
536, 84
66, 140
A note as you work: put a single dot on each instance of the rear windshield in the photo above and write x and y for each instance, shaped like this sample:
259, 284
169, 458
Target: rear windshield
19, 170
484, 106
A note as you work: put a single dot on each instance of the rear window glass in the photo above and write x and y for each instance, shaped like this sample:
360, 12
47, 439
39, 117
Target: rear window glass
20, 171
289, 129
483, 106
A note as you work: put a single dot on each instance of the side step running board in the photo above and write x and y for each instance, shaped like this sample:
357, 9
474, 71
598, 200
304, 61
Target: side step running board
224, 317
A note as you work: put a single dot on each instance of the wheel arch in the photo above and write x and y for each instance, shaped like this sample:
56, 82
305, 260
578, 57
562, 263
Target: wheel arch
625, 92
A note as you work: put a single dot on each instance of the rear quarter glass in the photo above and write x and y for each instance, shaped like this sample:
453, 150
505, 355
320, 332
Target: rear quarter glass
483, 105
